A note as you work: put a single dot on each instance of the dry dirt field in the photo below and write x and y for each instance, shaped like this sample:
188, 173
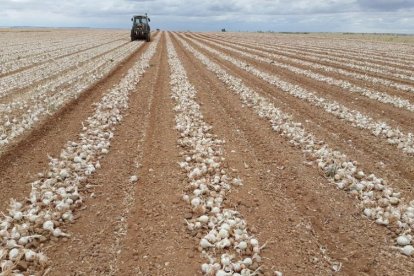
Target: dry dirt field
205, 154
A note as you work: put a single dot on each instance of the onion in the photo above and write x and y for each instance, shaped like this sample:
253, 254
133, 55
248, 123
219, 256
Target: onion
225, 260
58, 233
206, 268
254, 242
203, 219
403, 240
247, 261
14, 254
48, 225
18, 215
64, 174
205, 243
29, 255
242, 245
5, 265
408, 250
223, 233
195, 202
23, 241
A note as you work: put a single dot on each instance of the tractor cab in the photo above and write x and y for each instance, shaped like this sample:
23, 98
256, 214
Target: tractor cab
140, 28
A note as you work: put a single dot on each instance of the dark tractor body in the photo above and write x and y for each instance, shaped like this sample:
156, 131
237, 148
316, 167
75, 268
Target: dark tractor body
140, 28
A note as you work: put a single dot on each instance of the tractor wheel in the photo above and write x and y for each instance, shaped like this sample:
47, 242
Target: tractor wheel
148, 37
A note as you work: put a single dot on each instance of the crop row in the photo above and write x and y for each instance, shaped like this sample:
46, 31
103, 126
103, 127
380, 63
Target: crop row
38, 73
51, 52
271, 59
373, 50
378, 200
329, 69
225, 240
311, 45
22, 114
19, 45
394, 136
304, 54
55, 196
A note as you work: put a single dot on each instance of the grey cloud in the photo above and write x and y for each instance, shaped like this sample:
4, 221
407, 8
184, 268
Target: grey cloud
386, 5
278, 15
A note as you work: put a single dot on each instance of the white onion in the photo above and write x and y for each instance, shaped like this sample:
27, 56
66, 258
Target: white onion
247, 261
133, 179
48, 225
13, 254
242, 245
29, 255
195, 201
403, 240
408, 250
205, 243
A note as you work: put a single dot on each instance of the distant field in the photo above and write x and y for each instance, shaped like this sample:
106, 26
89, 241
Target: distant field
393, 38
206, 153
379, 37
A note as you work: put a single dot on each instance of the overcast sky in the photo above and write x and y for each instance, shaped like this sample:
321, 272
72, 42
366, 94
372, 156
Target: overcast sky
235, 15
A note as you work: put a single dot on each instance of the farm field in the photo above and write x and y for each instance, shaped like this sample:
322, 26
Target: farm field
205, 154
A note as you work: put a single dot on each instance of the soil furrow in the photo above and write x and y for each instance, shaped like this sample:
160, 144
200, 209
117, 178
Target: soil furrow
157, 242
57, 43
26, 157
134, 219
24, 90
405, 65
375, 108
404, 78
281, 189
97, 233
330, 106
364, 84
378, 157
54, 59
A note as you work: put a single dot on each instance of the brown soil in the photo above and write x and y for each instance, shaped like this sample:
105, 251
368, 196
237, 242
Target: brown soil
361, 83
53, 59
25, 158
291, 206
357, 144
124, 228
16, 93
352, 55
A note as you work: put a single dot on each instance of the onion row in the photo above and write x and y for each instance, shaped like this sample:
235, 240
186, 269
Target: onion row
349, 61
394, 136
343, 84
226, 242
54, 196
378, 200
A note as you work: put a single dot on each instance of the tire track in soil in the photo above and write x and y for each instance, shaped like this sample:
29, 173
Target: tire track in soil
375, 155
290, 204
373, 108
157, 242
25, 158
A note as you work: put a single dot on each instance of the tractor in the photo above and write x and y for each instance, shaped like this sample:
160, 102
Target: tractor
140, 28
